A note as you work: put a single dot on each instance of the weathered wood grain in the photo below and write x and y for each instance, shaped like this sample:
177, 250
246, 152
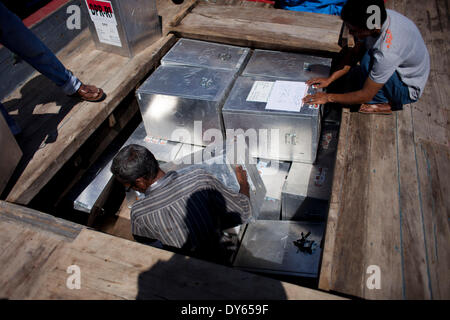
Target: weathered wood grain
262, 28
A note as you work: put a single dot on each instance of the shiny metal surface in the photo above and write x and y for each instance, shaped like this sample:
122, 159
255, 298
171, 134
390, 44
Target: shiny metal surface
138, 26
282, 135
10, 155
93, 194
198, 53
286, 65
307, 190
267, 247
180, 103
273, 173
220, 160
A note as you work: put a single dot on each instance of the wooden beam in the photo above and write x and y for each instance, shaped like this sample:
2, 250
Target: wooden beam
117, 76
264, 28
37, 220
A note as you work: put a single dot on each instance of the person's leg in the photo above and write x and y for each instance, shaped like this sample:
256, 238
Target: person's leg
19, 39
394, 91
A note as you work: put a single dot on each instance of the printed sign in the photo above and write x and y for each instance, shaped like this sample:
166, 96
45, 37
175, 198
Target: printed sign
260, 91
102, 15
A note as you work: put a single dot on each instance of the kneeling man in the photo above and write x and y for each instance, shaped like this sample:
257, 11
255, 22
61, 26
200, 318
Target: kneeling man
395, 61
187, 210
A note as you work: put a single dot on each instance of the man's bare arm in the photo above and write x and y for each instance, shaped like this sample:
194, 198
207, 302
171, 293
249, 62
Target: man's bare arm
364, 95
350, 57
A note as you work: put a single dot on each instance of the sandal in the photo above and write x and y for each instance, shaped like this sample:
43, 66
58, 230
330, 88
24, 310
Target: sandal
383, 108
90, 93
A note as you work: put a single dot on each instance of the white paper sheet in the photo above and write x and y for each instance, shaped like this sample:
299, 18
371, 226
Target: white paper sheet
260, 91
287, 96
108, 33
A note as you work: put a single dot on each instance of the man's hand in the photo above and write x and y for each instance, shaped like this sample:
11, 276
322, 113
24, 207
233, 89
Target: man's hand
319, 82
241, 176
318, 98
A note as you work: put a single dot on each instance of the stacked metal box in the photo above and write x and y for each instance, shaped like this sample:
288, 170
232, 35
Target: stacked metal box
181, 103
307, 190
282, 135
273, 174
268, 247
123, 27
196, 53
95, 193
286, 66
183, 98
220, 160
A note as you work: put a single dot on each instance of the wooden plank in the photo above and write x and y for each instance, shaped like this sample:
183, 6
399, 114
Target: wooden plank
430, 122
325, 275
400, 195
114, 268
415, 261
383, 242
347, 269
171, 13
433, 168
23, 259
262, 28
36, 220
84, 118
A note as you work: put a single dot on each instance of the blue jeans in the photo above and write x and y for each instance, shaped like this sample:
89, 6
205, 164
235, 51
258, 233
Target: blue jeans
394, 90
15, 36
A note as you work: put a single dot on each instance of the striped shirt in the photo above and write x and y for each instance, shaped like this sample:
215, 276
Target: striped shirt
188, 210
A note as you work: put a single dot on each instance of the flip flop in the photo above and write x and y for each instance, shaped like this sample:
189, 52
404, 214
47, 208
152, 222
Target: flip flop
384, 108
90, 93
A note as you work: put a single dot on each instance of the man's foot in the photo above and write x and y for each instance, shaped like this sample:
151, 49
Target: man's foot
90, 93
381, 108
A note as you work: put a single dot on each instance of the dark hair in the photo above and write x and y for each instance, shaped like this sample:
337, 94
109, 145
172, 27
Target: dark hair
355, 12
133, 162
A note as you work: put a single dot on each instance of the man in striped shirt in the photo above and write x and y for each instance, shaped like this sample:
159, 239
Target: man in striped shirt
186, 210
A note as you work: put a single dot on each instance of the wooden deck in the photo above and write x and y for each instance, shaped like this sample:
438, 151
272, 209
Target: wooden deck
54, 125
36, 249
390, 202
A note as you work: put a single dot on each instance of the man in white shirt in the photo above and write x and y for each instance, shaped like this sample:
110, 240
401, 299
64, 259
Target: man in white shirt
395, 61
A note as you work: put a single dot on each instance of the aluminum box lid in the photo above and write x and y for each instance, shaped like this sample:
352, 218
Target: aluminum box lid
309, 180
237, 101
273, 173
286, 65
163, 150
268, 247
206, 54
188, 82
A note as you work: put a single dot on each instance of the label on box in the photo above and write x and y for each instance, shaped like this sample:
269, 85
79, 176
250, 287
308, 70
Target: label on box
260, 91
287, 96
107, 33
102, 15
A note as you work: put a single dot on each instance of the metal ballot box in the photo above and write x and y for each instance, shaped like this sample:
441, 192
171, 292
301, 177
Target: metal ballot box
273, 174
307, 190
286, 66
198, 53
94, 194
281, 135
181, 103
122, 27
220, 160
268, 247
